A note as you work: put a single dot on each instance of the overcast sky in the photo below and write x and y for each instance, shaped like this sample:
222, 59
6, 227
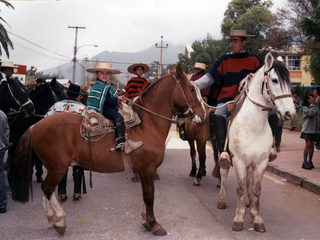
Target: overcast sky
41, 37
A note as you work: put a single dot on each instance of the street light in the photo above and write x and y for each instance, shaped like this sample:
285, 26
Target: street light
75, 58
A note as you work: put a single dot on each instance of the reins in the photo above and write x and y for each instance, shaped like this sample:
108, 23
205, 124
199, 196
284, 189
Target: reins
189, 110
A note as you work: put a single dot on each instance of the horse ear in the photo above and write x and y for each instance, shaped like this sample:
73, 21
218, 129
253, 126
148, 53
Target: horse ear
53, 82
172, 70
269, 60
179, 71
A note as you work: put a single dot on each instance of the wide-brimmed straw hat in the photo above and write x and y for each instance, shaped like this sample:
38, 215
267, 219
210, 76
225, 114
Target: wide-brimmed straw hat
199, 65
8, 64
103, 66
138, 64
74, 88
239, 33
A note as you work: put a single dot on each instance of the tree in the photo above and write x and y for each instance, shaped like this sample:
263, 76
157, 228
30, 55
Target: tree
253, 16
4, 38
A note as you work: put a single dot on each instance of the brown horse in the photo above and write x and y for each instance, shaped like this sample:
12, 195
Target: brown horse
58, 143
200, 133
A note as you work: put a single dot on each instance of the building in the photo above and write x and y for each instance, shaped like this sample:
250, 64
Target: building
296, 62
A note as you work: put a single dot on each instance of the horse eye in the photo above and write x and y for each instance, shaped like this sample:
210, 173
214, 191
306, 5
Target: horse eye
274, 80
192, 89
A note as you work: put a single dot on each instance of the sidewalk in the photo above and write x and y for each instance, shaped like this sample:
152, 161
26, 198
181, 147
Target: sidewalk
289, 162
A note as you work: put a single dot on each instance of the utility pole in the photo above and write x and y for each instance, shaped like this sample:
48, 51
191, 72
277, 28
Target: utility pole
161, 48
75, 52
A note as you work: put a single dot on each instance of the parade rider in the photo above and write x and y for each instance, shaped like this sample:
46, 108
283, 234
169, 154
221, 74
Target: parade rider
227, 72
136, 84
70, 104
103, 99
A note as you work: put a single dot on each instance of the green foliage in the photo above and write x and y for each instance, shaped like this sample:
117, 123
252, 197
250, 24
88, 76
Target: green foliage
4, 38
310, 25
252, 16
314, 66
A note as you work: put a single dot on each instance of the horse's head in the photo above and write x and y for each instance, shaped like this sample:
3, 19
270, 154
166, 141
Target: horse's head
187, 97
45, 95
14, 96
277, 87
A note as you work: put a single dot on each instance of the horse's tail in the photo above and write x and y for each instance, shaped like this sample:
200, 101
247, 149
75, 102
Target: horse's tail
21, 169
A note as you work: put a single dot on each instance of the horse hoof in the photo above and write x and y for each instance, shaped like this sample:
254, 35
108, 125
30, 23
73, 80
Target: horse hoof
259, 227
134, 179
196, 182
158, 230
221, 205
237, 226
60, 230
192, 174
218, 185
204, 174
156, 177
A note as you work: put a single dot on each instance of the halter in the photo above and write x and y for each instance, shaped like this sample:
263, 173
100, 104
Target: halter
272, 97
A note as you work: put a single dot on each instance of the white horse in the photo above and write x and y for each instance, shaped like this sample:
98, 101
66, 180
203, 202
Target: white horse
250, 136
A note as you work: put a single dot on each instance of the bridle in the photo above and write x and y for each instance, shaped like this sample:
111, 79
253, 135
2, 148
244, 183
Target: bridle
188, 111
271, 99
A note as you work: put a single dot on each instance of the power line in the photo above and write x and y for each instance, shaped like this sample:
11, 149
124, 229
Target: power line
36, 44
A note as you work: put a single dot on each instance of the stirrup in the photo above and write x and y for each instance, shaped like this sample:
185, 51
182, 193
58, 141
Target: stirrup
76, 197
120, 147
224, 160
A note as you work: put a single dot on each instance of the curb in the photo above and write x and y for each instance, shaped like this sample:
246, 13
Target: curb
300, 181
295, 130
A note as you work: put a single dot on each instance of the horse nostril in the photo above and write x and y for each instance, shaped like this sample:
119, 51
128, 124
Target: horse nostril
288, 115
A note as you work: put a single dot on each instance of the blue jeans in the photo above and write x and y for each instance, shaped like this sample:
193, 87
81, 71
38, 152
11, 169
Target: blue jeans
222, 111
3, 192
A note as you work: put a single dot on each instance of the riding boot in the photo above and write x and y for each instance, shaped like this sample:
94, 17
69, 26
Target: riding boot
220, 131
62, 188
77, 179
310, 160
119, 132
122, 144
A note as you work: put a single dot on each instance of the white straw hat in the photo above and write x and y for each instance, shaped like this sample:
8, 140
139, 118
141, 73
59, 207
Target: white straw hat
199, 65
8, 64
102, 66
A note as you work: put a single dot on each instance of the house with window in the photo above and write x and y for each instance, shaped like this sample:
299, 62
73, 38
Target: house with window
296, 62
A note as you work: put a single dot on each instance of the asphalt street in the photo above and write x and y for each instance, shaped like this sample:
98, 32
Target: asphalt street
111, 209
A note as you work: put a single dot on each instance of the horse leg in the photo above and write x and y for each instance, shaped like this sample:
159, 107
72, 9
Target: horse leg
241, 190
54, 211
135, 176
148, 220
201, 147
216, 169
223, 194
255, 202
193, 171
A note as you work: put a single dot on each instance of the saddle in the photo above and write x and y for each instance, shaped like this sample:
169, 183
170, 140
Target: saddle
95, 126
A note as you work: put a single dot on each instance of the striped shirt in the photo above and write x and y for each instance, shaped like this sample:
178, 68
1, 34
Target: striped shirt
134, 86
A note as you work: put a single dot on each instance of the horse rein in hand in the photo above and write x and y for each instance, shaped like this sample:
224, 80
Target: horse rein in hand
158, 115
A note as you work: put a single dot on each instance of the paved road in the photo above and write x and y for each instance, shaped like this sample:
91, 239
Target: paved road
111, 209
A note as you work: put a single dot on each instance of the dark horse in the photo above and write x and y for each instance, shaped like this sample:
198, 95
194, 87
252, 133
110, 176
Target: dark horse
65, 145
16, 104
42, 98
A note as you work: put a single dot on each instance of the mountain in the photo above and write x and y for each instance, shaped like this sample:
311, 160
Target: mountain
120, 61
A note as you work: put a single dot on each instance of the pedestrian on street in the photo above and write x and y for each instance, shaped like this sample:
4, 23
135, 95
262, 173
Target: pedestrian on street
294, 119
310, 128
4, 144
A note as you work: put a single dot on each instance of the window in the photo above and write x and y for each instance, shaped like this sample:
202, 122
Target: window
294, 63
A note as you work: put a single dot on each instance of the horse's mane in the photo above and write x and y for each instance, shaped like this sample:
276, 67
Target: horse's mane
284, 80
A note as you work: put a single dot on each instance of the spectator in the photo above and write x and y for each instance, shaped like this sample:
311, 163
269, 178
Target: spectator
316, 93
310, 128
70, 104
4, 144
294, 120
